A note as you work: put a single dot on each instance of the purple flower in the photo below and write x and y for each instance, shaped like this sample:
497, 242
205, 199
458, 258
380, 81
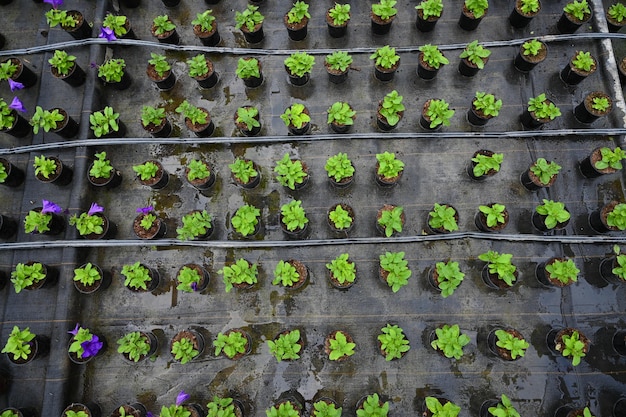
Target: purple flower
107, 34
75, 331
95, 208
194, 286
55, 3
149, 414
93, 65
182, 397
50, 207
16, 104
145, 210
91, 347
14, 85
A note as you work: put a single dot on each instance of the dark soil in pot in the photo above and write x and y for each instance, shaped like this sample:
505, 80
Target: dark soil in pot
20, 128
62, 176
336, 76
587, 165
380, 26
555, 343
160, 179
539, 221
23, 74
525, 63
165, 82
334, 30
66, 128
468, 21
569, 23
613, 24
253, 36
493, 281
385, 181
296, 31
480, 220
39, 348
303, 274
518, 18
131, 410
425, 25
532, 181
201, 130
8, 227
208, 38
170, 37
472, 164
82, 30
585, 113
332, 335
504, 354
425, 71
163, 130
571, 75
342, 286
385, 74
544, 277
341, 232
598, 218
15, 176
75, 77
101, 284
248, 346
157, 230
202, 184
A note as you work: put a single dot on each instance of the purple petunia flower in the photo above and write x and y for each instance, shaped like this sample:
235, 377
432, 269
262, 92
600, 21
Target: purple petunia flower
91, 347
93, 65
50, 207
194, 286
16, 104
182, 397
107, 34
145, 210
95, 208
55, 3
149, 414
75, 331
14, 85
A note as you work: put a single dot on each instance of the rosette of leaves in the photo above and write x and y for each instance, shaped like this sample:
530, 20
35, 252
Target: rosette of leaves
543, 108
152, 115
294, 115
340, 218
343, 270
388, 165
160, 64
45, 119
584, 61
187, 277
204, 20
578, 9
101, 167
392, 107
617, 217
531, 47
393, 342
373, 407
476, 54
198, 66
238, 273
134, 345
449, 276
195, 115
494, 214
195, 224
385, 57
298, 12
44, 166
530, 6
293, 215
183, 350
477, 7
146, 170
554, 212
617, 12
162, 24
545, 170
197, 170
397, 268
56, 17
485, 163
62, 62
339, 60
340, 14
340, 347
19, 343
384, 9
84, 343
248, 68
136, 276
339, 166
341, 113
243, 170
248, 116
221, 407
449, 409
610, 158
90, 222
450, 341
430, 8
517, 347
231, 343
322, 408
290, 172
87, 274
487, 104
25, 275
116, 23
285, 274
7, 117
245, 219
433, 56
500, 264
300, 63
564, 271
286, 346
284, 409
391, 220
112, 70
443, 216
103, 122
249, 18
573, 347
439, 113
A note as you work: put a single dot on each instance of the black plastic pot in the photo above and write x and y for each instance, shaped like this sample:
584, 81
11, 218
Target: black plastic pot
425, 25
480, 220
56, 224
82, 30
160, 180
475, 119
23, 74
538, 221
337, 128
379, 26
170, 3
209, 80
589, 170
68, 127
113, 181
171, 37
204, 130
518, 19
254, 181
253, 82
130, 3
569, 24
532, 182
8, 227
298, 80
383, 125
101, 284
385, 74
585, 113
530, 121
297, 32
63, 175
75, 77
336, 76
254, 36
15, 176
164, 130
619, 342
297, 131
20, 128
613, 25
333, 30
40, 347
211, 38
384, 181
424, 71
299, 233
570, 75
204, 183
598, 218
91, 409
467, 68
606, 271
164, 83
135, 409
157, 231
525, 63
122, 84
467, 21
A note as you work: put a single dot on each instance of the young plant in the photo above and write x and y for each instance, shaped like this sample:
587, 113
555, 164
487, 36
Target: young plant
293, 215
372, 407
500, 265
600, 104
443, 216
340, 218
617, 12
101, 167
90, 222
504, 408
554, 211
545, 170
146, 170
195, 224
532, 47
45, 119
44, 166
487, 104
198, 66
39, 221
530, 6
339, 60
160, 64
116, 23
87, 275
324, 409
162, 24
617, 217
341, 113
573, 348
238, 273
385, 57
3, 174
449, 276
477, 7
286, 274
195, 115
232, 343
340, 347
611, 158
56, 17
246, 219
392, 107
384, 9
286, 346
221, 407
62, 62
204, 20
564, 271
84, 343
249, 18
298, 12
620, 270
248, 68
290, 172
299, 63
578, 9
112, 70
26, 275
134, 345
19, 343
397, 268
516, 347
391, 220
340, 14
486, 163
393, 342
494, 214
243, 170
188, 279
152, 116
430, 8
104, 122
342, 270
68, 413
294, 115
284, 409
339, 167
7, 118
476, 54
448, 409
433, 56
248, 116
136, 276
584, 61
543, 108
148, 218
439, 113
450, 341
198, 170
183, 350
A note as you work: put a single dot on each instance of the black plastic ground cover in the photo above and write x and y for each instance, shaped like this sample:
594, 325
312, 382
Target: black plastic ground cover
435, 172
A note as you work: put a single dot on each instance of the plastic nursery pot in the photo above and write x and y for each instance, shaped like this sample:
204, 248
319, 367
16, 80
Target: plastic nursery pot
568, 23
204, 276
424, 409
425, 71
379, 227
201, 184
468, 21
66, 128
163, 82
532, 181
101, 284
476, 117
472, 164
201, 130
299, 131
75, 77
332, 335
480, 220
296, 31
588, 165
381, 26
298, 233
196, 338
425, 25
530, 120
109, 229
155, 279
81, 361
298, 80
381, 121
335, 282
335, 31
469, 69
385, 181
208, 38
253, 181
15, 176
555, 343
342, 183
51, 276
21, 412
518, 18
327, 400
539, 222
336, 76
91, 410
171, 3
525, 63
361, 401
585, 113
345, 231
122, 84
160, 179
163, 130
492, 280
303, 274
598, 218
619, 408
56, 224
544, 276
82, 30
571, 75
425, 119
248, 346
442, 229
255, 35
170, 37
8, 227
621, 67
485, 406
113, 181
209, 79
23, 74
254, 82
502, 353
243, 128
619, 342
607, 266
131, 410
385, 74
613, 24
151, 340
20, 127
156, 231
61, 176
39, 348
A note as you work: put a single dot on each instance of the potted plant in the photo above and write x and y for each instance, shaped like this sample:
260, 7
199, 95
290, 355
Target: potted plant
484, 164
93, 224
83, 345
340, 170
473, 58
498, 273
449, 341
120, 25
372, 406
127, 410
23, 346
245, 173
394, 270
293, 219
154, 121
339, 345
187, 345
575, 14
8, 226
89, 278
192, 278
286, 346
390, 219
196, 225
112, 73
616, 17
291, 173
164, 30
159, 71
224, 407
570, 343
446, 277
234, 344
436, 113
472, 13
342, 272
508, 344
285, 409
382, 15
17, 74
147, 225
613, 268
247, 120
245, 221
602, 161
443, 219
250, 21
81, 410
492, 217
64, 67
102, 174
298, 66
390, 111
611, 217
337, 18
595, 105
241, 275
523, 12
71, 21
205, 28
340, 117
483, 108
199, 174
32, 276
540, 110
550, 215
428, 14
540, 174
202, 70
296, 118
11, 122
52, 170
45, 219
557, 272
152, 174
139, 277
502, 408
104, 123
386, 62
430, 60
137, 346
325, 407
56, 120
10, 175
296, 20
531, 53
180, 409
337, 65
341, 219
249, 70
435, 408
290, 274
578, 68
197, 119
392, 342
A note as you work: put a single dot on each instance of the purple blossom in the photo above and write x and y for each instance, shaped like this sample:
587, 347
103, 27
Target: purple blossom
16, 104
55, 3
93, 65
107, 34
91, 347
194, 286
50, 207
14, 85
149, 414
95, 208
75, 331
145, 210
182, 397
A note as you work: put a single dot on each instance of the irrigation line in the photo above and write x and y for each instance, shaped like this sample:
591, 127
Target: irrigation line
228, 244
225, 140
